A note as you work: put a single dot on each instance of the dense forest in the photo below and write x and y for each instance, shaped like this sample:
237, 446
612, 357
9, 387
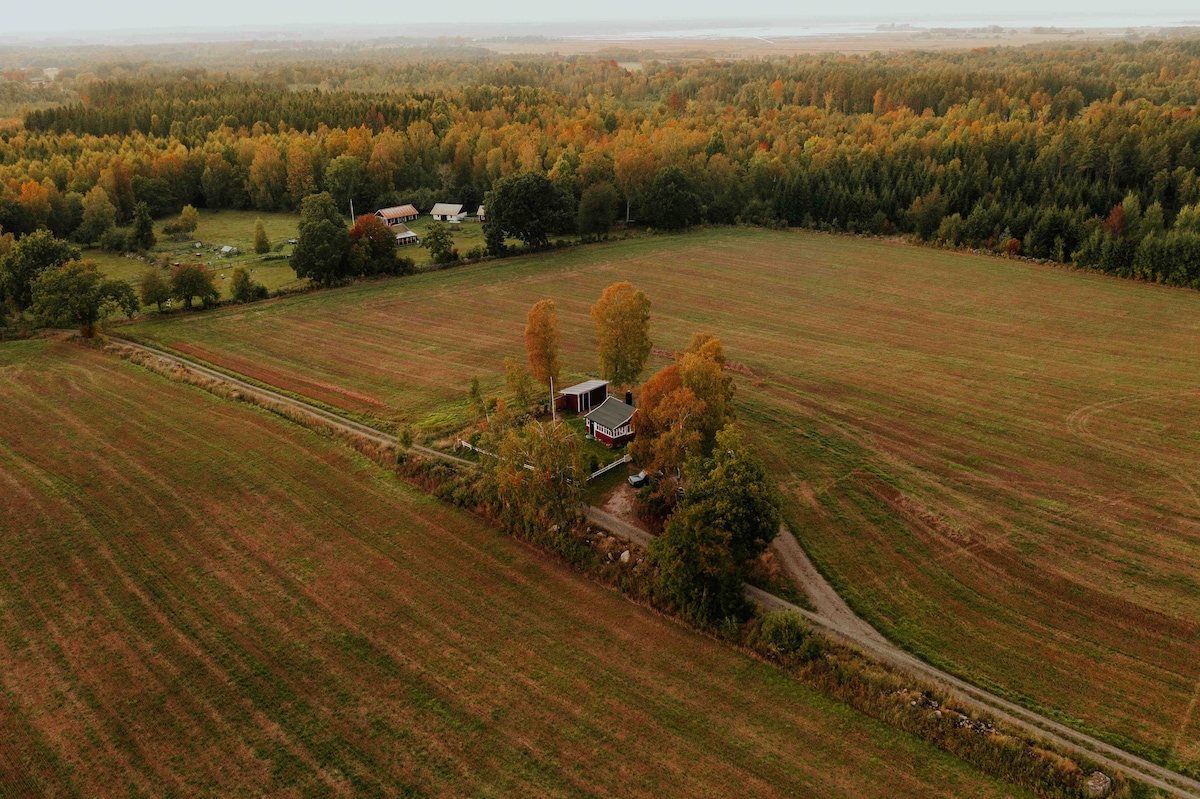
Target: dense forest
1083, 153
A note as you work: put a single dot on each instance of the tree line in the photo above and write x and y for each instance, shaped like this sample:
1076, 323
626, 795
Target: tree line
1020, 151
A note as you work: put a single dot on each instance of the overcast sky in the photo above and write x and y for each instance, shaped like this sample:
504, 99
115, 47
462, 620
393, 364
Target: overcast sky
24, 17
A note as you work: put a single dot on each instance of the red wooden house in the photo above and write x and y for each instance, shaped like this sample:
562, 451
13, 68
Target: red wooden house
610, 422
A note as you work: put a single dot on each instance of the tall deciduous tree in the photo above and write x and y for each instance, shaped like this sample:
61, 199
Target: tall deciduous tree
622, 317
27, 258
541, 341
732, 491
268, 178
597, 210
345, 179
672, 202
696, 569
537, 477
529, 207
634, 169
189, 219
520, 385
440, 243
322, 253
373, 247
242, 287
77, 294
99, 215
191, 281
667, 427
154, 288
728, 517
702, 369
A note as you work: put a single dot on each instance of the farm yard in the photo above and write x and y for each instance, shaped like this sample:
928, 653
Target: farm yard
291, 620
992, 460
236, 229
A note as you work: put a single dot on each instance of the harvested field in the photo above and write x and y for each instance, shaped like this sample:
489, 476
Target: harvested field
199, 598
992, 460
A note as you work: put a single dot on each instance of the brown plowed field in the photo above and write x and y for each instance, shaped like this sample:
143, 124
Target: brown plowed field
199, 598
993, 461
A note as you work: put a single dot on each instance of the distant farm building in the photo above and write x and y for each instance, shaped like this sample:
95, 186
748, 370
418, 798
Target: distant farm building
480, 213
610, 422
583, 397
397, 214
405, 236
446, 212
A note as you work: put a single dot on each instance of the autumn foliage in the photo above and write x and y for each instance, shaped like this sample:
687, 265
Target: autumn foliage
541, 341
622, 317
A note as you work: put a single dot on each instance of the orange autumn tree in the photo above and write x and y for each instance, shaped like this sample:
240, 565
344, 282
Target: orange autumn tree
702, 369
541, 341
665, 426
681, 410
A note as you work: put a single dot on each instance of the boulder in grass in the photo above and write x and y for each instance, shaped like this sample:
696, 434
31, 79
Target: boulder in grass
1099, 785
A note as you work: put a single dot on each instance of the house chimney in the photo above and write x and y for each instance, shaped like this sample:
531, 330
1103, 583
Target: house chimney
629, 398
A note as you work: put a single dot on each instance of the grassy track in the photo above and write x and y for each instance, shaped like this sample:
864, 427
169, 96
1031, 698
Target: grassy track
993, 461
199, 598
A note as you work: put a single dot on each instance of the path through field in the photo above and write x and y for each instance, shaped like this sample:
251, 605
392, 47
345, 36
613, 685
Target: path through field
832, 614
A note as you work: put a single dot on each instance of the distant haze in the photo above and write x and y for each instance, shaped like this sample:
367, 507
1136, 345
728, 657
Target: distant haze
291, 18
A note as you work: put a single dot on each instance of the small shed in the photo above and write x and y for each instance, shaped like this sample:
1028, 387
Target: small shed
397, 214
610, 422
447, 212
481, 214
229, 252
404, 236
583, 397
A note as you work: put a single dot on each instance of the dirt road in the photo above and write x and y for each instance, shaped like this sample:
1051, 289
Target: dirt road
334, 420
832, 614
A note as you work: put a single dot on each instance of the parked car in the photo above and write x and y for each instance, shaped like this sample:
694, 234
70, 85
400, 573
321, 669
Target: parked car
638, 480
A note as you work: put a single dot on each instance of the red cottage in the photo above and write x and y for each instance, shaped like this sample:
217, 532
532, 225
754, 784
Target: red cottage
610, 423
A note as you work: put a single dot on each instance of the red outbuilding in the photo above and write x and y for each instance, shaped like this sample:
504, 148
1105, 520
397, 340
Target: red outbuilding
583, 397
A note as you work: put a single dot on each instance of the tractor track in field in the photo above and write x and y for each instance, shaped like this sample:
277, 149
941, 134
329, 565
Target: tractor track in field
832, 614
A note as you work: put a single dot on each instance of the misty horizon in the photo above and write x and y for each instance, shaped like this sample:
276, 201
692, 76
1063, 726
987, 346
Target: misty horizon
267, 21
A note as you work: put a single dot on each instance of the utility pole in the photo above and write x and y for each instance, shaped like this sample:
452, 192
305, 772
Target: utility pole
553, 410
351, 209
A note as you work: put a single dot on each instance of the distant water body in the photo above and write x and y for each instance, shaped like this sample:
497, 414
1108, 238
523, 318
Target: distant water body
861, 27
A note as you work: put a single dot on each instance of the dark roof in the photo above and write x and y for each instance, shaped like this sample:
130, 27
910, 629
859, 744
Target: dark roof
612, 413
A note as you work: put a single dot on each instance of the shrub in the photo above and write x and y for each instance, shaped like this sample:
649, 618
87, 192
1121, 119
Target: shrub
114, 240
784, 631
242, 288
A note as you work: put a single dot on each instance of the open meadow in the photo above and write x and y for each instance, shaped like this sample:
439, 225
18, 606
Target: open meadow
199, 598
993, 461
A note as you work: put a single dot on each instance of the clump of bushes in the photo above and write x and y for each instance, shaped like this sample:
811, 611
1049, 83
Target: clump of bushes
785, 633
243, 288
